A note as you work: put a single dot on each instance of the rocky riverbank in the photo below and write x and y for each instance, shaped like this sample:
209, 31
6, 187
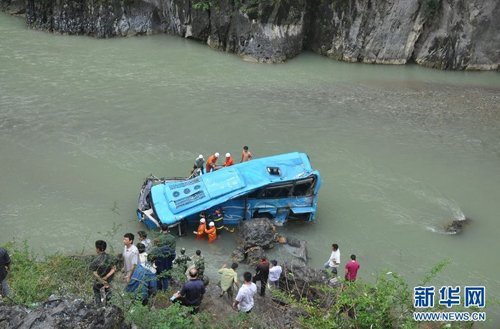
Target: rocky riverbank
68, 279
443, 34
306, 298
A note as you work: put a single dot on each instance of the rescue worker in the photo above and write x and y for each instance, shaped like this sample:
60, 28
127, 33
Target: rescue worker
218, 216
212, 162
199, 163
200, 234
211, 232
229, 160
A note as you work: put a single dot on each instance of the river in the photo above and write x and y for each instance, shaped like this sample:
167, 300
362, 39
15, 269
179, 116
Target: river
401, 149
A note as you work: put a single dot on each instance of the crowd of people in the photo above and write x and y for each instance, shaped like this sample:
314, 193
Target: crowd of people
147, 265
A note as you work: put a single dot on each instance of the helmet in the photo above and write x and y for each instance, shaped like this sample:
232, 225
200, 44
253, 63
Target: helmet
200, 156
216, 154
211, 224
228, 155
202, 220
183, 250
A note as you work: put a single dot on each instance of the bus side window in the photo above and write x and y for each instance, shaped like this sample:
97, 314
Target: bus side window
255, 194
303, 188
276, 192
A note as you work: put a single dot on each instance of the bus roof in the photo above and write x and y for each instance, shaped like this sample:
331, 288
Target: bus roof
176, 200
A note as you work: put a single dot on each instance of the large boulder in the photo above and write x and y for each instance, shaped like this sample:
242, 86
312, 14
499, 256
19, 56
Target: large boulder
456, 226
257, 232
254, 255
62, 314
11, 316
300, 280
298, 249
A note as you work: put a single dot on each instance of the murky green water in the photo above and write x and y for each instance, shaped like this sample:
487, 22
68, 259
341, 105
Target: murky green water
400, 149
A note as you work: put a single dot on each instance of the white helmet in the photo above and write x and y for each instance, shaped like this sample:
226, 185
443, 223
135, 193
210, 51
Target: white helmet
200, 156
202, 220
228, 155
216, 154
211, 224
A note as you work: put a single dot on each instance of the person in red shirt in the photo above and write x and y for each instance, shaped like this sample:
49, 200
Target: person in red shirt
351, 269
212, 162
229, 160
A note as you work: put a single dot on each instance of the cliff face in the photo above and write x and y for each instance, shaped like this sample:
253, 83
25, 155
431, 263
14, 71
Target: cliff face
445, 34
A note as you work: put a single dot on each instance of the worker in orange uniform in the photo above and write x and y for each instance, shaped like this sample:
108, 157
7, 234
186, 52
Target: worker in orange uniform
212, 162
212, 232
200, 234
229, 160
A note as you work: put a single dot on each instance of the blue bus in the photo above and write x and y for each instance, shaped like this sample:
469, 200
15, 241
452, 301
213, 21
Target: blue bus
281, 187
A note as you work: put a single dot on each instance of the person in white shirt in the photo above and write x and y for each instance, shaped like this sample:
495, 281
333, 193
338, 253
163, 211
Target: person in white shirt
143, 255
275, 273
130, 256
334, 260
244, 298
143, 238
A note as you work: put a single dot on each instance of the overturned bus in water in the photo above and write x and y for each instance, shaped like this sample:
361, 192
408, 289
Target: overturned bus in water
281, 187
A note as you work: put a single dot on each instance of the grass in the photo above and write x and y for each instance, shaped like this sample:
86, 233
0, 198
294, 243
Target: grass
32, 281
387, 303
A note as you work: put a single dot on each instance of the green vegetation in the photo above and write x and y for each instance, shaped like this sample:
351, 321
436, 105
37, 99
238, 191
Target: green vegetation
180, 317
387, 303
204, 5
175, 316
33, 281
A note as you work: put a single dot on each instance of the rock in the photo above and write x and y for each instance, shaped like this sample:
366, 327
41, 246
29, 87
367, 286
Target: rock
456, 226
11, 316
294, 242
238, 255
62, 313
257, 232
254, 255
300, 280
444, 34
297, 249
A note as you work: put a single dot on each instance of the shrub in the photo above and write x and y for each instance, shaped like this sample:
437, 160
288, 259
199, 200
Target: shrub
174, 316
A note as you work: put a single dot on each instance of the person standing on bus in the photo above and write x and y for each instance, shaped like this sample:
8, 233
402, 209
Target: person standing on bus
229, 160
246, 155
199, 163
212, 162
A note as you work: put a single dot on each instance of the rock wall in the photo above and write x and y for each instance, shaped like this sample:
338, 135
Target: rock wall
263, 32
444, 34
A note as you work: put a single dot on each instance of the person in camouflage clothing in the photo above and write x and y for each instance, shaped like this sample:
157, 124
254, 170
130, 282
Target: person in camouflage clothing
165, 238
198, 263
103, 268
182, 260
